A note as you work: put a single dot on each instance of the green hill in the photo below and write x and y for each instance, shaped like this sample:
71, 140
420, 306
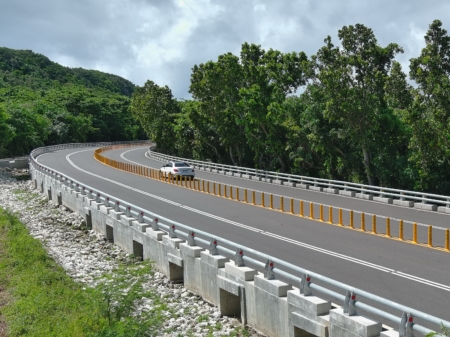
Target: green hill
44, 103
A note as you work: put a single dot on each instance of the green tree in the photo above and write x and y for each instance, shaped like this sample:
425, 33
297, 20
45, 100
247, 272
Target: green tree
429, 115
353, 77
6, 131
156, 109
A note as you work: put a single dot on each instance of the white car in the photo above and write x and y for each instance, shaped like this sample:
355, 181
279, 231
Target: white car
178, 168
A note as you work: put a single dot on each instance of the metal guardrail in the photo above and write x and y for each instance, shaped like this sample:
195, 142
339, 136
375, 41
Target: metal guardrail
377, 191
227, 248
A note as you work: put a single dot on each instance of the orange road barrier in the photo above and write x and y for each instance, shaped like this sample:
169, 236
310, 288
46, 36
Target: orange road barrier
231, 192
414, 232
351, 220
430, 236
203, 186
363, 222
281, 204
400, 230
237, 194
225, 191
214, 188
388, 227
340, 217
292, 206
447, 239
220, 190
311, 210
302, 214
245, 196
263, 202
254, 198
330, 214
207, 187
374, 224
321, 212
271, 201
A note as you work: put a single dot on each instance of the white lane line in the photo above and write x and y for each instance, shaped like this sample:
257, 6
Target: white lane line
276, 236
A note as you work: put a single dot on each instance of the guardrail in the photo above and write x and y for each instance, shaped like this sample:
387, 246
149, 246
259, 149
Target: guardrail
282, 269
383, 194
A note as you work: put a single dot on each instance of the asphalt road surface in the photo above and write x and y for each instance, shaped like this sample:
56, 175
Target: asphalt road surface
412, 275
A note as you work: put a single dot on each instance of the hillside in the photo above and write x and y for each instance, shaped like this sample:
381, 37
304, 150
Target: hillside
44, 103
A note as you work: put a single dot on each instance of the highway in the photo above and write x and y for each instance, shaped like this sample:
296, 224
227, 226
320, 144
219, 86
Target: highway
412, 275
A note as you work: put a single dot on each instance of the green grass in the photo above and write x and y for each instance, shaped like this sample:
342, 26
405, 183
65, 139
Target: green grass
44, 301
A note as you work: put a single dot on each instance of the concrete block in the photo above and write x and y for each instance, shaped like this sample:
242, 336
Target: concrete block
138, 237
237, 174
403, 203
172, 242
331, 190
427, 207
241, 273
115, 215
104, 209
96, 205
364, 196
141, 227
267, 180
228, 285
246, 176
274, 287
346, 326
229, 174
307, 326
214, 171
155, 235
290, 183
256, 178
311, 304
217, 261
383, 199
389, 333
175, 259
127, 220
191, 251
444, 209
347, 193
305, 186
277, 181
316, 188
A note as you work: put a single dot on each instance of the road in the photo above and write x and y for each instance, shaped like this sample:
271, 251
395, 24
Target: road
412, 275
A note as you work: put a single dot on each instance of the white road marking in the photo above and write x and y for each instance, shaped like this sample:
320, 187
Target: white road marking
276, 236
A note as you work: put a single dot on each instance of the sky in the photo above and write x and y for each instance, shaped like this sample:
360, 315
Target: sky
161, 40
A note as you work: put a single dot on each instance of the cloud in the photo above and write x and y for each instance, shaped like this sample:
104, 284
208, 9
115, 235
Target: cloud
161, 40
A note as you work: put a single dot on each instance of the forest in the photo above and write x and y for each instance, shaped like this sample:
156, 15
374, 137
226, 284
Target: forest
43, 103
349, 112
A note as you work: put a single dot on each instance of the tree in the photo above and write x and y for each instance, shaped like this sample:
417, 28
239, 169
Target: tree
6, 131
353, 78
156, 109
429, 114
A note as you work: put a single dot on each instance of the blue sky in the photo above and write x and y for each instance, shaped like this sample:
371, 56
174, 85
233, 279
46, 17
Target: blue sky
161, 40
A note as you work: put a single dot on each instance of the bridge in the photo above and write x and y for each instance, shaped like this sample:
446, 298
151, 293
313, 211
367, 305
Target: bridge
404, 272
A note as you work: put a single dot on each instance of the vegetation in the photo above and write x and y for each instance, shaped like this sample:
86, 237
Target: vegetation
44, 103
357, 117
43, 301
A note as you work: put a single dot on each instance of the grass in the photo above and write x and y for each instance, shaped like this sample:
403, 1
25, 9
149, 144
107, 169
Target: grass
41, 300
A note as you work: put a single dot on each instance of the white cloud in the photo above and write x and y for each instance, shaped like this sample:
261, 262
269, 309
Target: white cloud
161, 40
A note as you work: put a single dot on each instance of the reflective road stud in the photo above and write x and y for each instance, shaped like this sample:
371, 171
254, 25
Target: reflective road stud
363, 222
430, 236
374, 224
400, 229
388, 227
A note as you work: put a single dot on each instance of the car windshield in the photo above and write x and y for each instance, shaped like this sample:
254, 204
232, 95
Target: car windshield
181, 164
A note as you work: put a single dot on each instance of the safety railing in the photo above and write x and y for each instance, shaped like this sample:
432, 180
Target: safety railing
409, 198
297, 276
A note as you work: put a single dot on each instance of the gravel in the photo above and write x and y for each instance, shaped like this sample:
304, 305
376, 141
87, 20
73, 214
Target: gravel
85, 255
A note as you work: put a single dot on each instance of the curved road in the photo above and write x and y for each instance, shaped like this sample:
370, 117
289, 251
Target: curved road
409, 274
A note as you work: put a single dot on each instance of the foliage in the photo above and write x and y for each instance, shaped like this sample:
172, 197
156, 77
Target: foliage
44, 301
43, 103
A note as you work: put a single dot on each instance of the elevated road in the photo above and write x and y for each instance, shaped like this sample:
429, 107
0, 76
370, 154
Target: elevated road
411, 275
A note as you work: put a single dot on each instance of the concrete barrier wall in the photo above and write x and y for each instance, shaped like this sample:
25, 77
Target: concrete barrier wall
19, 163
270, 306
